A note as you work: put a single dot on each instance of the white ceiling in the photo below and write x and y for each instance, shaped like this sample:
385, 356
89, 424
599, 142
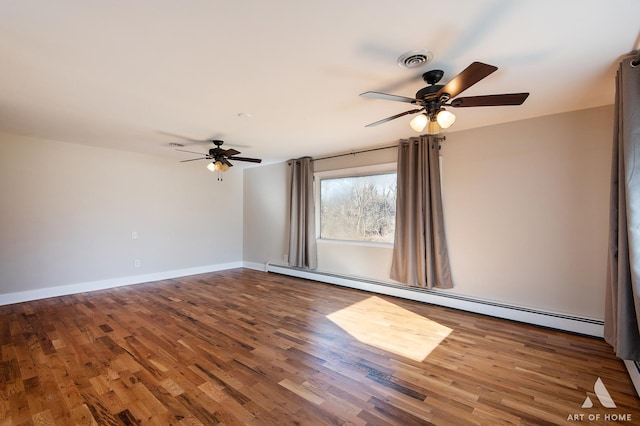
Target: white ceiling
139, 75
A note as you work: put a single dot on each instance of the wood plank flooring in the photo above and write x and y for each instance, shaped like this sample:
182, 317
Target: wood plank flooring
247, 347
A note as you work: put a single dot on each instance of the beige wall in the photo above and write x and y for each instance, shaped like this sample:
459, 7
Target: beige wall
265, 216
525, 211
68, 212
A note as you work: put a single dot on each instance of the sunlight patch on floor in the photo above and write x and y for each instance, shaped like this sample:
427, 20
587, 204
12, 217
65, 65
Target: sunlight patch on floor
387, 326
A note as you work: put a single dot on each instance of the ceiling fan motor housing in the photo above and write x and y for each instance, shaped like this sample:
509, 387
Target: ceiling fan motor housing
433, 76
429, 92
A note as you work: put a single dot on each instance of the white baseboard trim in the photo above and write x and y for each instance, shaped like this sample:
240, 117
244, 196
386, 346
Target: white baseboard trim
256, 266
570, 323
588, 326
634, 372
43, 293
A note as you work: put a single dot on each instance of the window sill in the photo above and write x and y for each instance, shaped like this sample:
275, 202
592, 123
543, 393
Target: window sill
354, 243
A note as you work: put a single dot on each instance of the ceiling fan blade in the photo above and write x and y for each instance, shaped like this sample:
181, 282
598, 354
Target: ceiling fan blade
225, 161
182, 138
467, 78
490, 100
194, 159
250, 160
393, 117
388, 97
191, 152
230, 152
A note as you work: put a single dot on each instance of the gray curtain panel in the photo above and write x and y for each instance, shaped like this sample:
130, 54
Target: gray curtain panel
622, 303
420, 255
302, 222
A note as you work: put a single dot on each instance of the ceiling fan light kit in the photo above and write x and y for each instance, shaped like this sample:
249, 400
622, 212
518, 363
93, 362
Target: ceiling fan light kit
434, 97
419, 122
433, 128
443, 119
217, 166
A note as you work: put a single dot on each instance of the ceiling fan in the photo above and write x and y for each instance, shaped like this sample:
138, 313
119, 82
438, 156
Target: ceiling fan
220, 157
432, 99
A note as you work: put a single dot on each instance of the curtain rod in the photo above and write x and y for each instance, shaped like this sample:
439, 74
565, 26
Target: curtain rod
363, 151
354, 152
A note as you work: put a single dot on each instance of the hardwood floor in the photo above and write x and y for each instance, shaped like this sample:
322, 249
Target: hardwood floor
247, 347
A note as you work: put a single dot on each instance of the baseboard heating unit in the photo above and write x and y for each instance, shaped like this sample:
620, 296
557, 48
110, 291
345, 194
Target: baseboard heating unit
573, 324
634, 373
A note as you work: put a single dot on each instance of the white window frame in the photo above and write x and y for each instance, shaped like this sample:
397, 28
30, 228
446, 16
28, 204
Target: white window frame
375, 169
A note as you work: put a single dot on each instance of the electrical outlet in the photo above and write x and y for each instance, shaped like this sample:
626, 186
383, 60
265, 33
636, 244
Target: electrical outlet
286, 257
134, 235
136, 263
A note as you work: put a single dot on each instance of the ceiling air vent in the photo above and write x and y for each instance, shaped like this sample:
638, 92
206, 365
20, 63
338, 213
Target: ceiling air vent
415, 58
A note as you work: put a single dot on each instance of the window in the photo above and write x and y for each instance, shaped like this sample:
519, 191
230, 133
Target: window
358, 208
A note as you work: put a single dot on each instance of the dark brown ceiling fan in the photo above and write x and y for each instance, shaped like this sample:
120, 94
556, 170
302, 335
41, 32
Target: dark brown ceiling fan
220, 157
432, 99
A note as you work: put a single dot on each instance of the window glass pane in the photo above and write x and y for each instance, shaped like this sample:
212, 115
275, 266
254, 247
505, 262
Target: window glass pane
361, 208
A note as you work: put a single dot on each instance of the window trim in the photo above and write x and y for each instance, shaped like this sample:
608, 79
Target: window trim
374, 169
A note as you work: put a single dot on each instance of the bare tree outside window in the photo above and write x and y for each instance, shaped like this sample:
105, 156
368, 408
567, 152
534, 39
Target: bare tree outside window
361, 208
